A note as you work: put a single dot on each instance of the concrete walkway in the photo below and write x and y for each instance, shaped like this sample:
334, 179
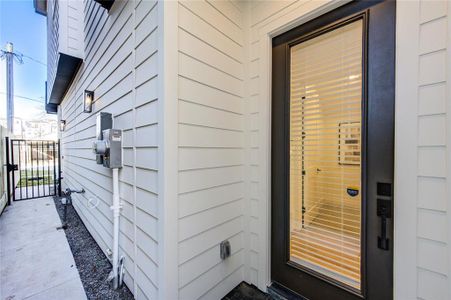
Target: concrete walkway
35, 259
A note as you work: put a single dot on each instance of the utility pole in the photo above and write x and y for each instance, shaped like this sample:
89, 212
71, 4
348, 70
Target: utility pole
9, 55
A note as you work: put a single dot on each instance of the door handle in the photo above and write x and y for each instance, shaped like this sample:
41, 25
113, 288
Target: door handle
383, 212
11, 167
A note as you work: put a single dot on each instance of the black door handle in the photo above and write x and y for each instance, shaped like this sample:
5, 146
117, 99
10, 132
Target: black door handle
11, 167
384, 212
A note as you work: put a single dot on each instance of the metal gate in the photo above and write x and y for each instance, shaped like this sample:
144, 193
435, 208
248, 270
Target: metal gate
33, 169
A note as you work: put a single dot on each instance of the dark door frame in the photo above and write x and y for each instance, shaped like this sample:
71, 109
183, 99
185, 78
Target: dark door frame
378, 93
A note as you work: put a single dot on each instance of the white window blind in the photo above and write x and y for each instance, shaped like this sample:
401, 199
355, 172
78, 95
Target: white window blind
325, 151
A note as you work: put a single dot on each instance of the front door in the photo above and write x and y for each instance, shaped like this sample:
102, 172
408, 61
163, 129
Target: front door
332, 154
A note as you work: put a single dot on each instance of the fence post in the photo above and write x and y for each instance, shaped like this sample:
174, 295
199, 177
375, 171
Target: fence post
8, 181
59, 167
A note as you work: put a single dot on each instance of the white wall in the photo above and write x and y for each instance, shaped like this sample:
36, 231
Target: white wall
71, 27
211, 147
64, 34
223, 139
422, 197
422, 222
121, 66
211, 115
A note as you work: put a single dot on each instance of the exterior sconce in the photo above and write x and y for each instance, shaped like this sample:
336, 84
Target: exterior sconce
105, 3
87, 101
62, 125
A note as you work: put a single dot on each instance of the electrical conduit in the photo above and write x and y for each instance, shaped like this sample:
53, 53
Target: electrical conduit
116, 208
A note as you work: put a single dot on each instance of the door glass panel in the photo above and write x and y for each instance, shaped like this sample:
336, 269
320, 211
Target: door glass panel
325, 153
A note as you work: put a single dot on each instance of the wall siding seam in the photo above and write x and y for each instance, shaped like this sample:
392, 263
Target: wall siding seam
184, 4
210, 86
206, 271
231, 219
224, 279
103, 43
106, 34
147, 14
210, 106
212, 4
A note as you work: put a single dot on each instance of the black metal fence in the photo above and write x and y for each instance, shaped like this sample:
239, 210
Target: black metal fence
34, 168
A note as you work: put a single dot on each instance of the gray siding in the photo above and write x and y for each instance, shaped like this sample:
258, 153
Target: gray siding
120, 66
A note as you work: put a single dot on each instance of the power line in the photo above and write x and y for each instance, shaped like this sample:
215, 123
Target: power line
34, 59
19, 56
27, 98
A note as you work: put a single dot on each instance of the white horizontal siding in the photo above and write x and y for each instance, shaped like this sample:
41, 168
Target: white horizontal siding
223, 134
432, 252
64, 34
211, 147
120, 66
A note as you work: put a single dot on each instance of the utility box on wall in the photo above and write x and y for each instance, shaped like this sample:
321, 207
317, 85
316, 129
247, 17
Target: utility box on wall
113, 155
108, 146
104, 121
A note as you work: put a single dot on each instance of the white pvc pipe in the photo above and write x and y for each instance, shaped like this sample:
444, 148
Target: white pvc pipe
116, 207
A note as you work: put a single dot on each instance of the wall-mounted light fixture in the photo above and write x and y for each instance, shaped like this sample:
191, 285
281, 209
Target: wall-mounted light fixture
87, 101
105, 3
62, 125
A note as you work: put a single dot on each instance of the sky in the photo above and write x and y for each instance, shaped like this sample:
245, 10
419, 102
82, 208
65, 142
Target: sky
26, 29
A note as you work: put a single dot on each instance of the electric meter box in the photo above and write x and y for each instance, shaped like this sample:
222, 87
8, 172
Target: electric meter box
113, 153
104, 121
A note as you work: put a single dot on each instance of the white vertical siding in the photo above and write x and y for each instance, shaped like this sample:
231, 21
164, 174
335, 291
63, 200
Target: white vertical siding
211, 147
120, 66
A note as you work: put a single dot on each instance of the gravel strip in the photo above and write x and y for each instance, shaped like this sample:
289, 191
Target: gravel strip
92, 264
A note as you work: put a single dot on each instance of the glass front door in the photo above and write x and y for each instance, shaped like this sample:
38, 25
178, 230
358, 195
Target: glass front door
325, 160
332, 140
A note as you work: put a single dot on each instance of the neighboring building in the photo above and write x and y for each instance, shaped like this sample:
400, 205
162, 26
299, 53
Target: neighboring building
3, 182
198, 89
44, 128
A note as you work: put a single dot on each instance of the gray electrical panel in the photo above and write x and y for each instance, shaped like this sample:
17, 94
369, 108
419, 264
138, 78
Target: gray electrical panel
113, 155
108, 146
104, 122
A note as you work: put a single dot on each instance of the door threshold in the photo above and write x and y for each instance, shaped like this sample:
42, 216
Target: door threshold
279, 292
